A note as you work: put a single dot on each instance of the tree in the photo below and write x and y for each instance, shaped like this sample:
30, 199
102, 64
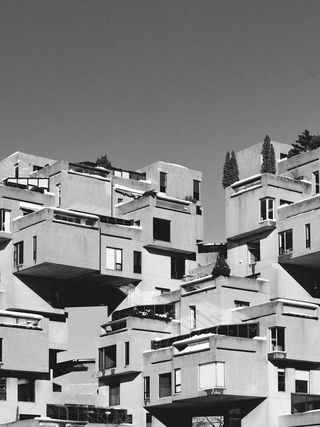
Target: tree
315, 142
234, 168
268, 157
221, 267
303, 143
216, 421
230, 170
104, 162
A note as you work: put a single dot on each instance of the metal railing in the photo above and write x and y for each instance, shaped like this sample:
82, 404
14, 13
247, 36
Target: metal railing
88, 414
34, 184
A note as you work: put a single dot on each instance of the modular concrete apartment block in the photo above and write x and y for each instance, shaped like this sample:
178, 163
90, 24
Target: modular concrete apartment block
177, 343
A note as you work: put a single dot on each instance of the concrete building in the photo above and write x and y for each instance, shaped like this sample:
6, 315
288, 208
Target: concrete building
177, 343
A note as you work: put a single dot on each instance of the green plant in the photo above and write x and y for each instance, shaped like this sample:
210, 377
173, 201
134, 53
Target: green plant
221, 268
268, 157
104, 162
230, 170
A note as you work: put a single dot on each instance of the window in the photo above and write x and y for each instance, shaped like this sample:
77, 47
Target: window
281, 380
3, 388
285, 242
26, 390
238, 303
146, 388
316, 182
107, 357
1, 350
18, 254
114, 259
162, 290
277, 339
193, 317
266, 209
253, 252
161, 229
177, 268
302, 381
285, 202
36, 168
16, 170
177, 381
137, 262
5, 220
308, 235
120, 200
148, 420
34, 248
211, 375
114, 394
126, 353
57, 388
165, 384
196, 189
163, 182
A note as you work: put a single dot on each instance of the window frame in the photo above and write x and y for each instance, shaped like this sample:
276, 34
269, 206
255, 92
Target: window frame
163, 182
307, 230
114, 398
146, 388
160, 235
165, 375
277, 339
193, 316
216, 380
177, 381
5, 220
196, 189
126, 353
281, 377
178, 267
283, 238
268, 209
18, 254
117, 266
137, 262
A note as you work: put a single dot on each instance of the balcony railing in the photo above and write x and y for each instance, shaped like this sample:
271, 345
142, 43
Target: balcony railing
117, 221
158, 312
243, 330
89, 170
124, 173
88, 414
301, 402
20, 320
34, 184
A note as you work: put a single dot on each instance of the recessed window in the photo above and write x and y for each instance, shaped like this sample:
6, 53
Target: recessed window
114, 259
266, 209
277, 339
177, 381
3, 388
281, 380
107, 357
196, 189
285, 202
163, 182
137, 262
211, 375
193, 316
34, 248
161, 229
177, 267
308, 235
114, 394
316, 182
253, 252
238, 303
126, 353
285, 242
18, 254
165, 384
162, 290
26, 390
5, 220
302, 379
146, 392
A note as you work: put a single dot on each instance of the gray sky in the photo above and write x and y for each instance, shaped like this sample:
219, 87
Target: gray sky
144, 80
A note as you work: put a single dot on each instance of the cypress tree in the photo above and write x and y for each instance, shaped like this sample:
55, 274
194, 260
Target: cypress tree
221, 267
272, 160
227, 174
265, 152
235, 170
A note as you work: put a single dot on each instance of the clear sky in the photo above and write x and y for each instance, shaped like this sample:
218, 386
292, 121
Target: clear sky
143, 80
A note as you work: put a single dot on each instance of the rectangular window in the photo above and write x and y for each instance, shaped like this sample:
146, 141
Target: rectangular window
196, 189
114, 394
285, 242
238, 303
165, 384
16, 170
107, 357
162, 290
1, 350
302, 381
266, 209
177, 268
137, 262
5, 220
146, 388
161, 229
253, 252
281, 380
211, 375
114, 259
308, 235
26, 390
18, 254
163, 182
277, 339
34, 248
177, 381
193, 317
285, 202
3, 388
316, 182
126, 353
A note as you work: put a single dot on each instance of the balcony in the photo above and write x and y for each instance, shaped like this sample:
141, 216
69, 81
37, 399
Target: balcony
301, 402
39, 185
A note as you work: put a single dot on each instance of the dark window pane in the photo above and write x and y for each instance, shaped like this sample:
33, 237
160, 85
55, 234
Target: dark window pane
161, 229
165, 385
